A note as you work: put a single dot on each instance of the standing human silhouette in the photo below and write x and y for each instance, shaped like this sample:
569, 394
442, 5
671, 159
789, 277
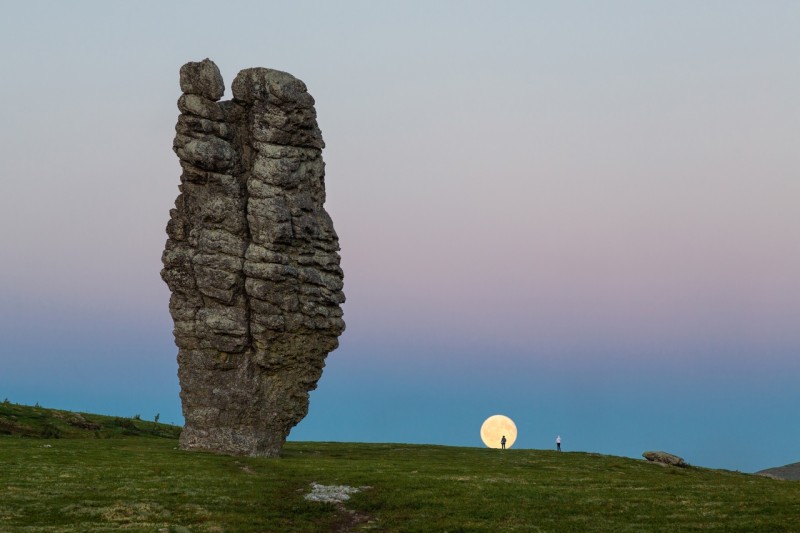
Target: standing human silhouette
558, 443
503, 442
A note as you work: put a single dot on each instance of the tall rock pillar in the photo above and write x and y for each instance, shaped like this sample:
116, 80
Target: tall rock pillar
251, 259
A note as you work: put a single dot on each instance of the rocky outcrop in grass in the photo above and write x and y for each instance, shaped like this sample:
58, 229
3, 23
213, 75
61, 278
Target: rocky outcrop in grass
665, 458
251, 259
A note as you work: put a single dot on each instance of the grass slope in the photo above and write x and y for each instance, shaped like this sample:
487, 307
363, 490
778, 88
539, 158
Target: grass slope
144, 483
26, 421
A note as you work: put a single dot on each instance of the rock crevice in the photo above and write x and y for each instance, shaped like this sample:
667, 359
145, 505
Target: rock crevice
251, 259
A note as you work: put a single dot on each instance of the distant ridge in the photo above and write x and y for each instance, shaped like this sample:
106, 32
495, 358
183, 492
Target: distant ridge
790, 472
18, 420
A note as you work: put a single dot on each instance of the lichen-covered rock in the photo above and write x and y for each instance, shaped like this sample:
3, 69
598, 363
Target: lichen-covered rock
664, 458
203, 79
251, 260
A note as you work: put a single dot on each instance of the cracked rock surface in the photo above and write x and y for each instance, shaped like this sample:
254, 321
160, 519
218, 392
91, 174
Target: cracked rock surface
251, 259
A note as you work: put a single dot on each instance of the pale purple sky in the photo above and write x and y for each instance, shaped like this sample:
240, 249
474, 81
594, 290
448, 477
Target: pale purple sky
584, 215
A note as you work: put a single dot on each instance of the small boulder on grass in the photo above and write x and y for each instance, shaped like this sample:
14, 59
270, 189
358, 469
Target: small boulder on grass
665, 458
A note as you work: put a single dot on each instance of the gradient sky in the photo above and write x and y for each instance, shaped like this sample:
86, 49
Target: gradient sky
582, 215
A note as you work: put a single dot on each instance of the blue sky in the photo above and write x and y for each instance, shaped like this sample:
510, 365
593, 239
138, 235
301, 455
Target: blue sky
581, 215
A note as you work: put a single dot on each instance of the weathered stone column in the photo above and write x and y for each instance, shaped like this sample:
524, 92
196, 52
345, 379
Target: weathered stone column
251, 259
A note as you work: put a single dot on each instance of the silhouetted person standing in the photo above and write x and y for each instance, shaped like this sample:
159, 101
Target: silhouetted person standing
558, 443
503, 442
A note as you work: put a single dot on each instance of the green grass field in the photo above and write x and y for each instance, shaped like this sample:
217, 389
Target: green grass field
123, 478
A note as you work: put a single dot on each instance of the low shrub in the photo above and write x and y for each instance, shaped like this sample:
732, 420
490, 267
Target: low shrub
125, 423
49, 431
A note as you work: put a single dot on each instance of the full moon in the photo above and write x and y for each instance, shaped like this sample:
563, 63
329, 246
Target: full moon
495, 427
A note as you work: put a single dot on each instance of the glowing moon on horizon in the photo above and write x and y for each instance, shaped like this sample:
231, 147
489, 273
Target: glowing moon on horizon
495, 427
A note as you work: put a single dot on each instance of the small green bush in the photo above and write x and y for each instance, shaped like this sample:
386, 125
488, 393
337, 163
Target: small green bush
125, 423
49, 431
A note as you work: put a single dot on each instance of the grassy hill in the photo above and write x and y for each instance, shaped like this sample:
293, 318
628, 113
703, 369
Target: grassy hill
118, 477
26, 421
